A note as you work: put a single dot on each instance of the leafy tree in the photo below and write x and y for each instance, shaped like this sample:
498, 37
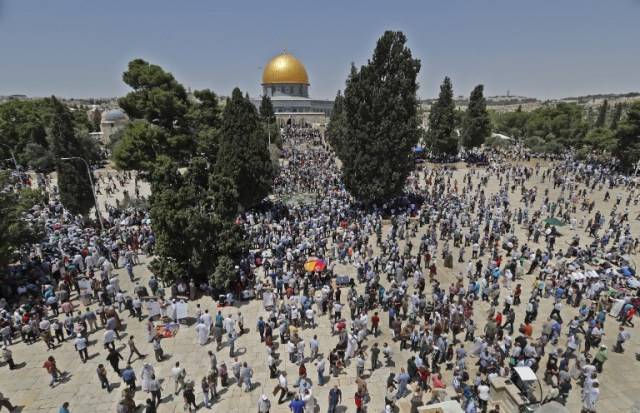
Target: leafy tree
477, 123
628, 136
381, 127
26, 127
602, 114
156, 97
266, 109
336, 130
441, 135
14, 230
615, 116
512, 124
600, 139
205, 112
242, 153
95, 120
140, 145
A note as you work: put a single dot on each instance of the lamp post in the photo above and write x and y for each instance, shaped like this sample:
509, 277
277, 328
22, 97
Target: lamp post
13, 157
95, 200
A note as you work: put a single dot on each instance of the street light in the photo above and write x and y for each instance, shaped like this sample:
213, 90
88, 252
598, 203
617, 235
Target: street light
12, 155
95, 200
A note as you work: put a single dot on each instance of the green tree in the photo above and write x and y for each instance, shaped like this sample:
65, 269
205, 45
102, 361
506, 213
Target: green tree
26, 127
615, 116
266, 109
76, 193
628, 136
602, 114
336, 130
380, 108
192, 213
476, 125
441, 136
141, 143
600, 139
160, 100
242, 153
16, 232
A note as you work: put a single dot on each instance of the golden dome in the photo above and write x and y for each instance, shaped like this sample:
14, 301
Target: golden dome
284, 68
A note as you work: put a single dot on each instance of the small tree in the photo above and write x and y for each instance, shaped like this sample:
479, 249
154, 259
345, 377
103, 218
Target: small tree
628, 136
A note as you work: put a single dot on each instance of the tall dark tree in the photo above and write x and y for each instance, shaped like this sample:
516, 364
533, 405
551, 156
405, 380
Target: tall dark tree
266, 109
441, 135
76, 193
243, 155
476, 125
602, 114
336, 132
615, 116
628, 135
381, 121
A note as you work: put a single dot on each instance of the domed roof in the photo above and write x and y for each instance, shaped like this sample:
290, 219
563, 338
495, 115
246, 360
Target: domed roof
284, 68
113, 115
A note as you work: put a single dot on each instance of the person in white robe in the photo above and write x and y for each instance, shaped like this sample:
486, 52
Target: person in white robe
202, 330
146, 375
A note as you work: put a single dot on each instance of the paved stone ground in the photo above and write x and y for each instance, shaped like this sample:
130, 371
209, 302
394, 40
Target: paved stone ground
28, 386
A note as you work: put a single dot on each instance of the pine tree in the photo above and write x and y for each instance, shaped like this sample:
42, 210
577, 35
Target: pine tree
602, 114
615, 116
441, 134
381, 121
476, 124
243, 155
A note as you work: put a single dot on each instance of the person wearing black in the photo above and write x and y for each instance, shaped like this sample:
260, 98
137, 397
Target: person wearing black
114, 359
189, 398
150, 407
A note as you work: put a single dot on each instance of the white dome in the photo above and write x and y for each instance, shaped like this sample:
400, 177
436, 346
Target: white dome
113, 115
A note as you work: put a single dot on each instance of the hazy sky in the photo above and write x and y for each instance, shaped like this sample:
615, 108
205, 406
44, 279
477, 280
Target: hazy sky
540, 48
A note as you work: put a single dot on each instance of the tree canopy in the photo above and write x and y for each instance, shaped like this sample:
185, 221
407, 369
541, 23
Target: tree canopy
26, 126
380, 121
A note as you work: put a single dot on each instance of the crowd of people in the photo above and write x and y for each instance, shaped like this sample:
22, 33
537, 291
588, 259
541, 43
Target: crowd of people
440, 288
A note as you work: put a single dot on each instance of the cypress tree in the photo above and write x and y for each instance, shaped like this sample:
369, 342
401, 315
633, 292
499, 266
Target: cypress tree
476, 125
381, 121
441, 134
266, 109
242, 153
615, 116
337, 122
76, 193
602, 114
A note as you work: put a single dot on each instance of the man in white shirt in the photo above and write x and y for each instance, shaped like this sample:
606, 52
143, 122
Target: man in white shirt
108, 339
80, 343
178, 373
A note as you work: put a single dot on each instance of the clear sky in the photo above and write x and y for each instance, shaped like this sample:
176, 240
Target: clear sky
540, 48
